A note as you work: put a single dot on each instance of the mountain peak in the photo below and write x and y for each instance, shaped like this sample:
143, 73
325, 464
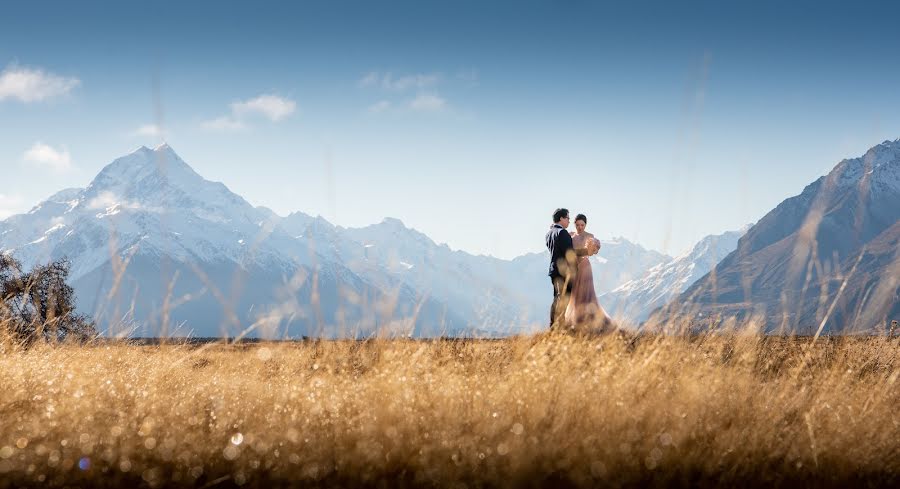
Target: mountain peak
159, 147
148, 180
388, 229
392, 222
142, 163
887, 147
715, 245
165, 149
880, 164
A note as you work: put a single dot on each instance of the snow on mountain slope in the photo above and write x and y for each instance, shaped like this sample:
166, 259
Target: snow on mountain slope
234, 261
618, 261
151, 208
805, 248
634, 300
480, 287
148, 199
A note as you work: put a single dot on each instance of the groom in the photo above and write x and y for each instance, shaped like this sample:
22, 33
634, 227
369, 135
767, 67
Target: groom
562, 265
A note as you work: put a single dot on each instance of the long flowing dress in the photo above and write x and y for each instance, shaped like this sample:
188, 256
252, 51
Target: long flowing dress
584, 311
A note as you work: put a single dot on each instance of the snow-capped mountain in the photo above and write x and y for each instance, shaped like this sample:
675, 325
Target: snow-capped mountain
634, 300
504, 294
148, 199
478, 286
153, 243
825, 259
619, 261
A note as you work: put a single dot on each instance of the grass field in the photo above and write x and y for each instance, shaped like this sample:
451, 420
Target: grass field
549, 411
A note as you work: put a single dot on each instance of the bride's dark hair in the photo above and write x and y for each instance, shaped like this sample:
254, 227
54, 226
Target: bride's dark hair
581, 217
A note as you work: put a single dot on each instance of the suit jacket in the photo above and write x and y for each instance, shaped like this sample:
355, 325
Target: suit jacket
559, 242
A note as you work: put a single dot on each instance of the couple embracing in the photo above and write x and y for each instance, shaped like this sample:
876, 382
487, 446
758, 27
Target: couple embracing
575, 304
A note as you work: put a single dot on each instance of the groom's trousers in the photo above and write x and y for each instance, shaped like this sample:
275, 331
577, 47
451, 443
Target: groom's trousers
562, 289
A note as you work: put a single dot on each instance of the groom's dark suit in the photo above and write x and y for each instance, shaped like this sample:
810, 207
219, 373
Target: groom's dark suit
562, 270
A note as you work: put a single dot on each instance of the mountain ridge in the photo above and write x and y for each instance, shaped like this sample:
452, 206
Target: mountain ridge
148, 217
634, 300
788, 265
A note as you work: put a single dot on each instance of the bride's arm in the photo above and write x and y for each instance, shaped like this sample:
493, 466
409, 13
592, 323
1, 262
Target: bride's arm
585, 249
591, 236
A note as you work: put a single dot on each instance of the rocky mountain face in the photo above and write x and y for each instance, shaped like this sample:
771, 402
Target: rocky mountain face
826, 259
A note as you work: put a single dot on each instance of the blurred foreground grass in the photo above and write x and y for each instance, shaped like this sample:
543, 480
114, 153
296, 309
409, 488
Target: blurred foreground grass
547, 411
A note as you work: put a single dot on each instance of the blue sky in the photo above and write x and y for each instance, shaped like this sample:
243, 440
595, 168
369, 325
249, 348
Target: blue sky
470, 121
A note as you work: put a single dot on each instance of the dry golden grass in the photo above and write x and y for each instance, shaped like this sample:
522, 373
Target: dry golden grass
730, 409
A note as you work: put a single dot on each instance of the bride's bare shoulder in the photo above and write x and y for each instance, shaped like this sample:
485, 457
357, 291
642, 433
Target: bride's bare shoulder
588, 235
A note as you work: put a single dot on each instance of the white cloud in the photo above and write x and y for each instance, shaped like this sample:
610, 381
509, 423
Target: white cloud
112, 204
33, 84
388, 81
151, 130
45, 156
411, 81
427, 102
103, 200
417, 82
370, 79
224, 123
380, 106
271, 106
10, 205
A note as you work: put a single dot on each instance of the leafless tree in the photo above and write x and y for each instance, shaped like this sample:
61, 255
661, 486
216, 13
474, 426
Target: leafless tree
39, 304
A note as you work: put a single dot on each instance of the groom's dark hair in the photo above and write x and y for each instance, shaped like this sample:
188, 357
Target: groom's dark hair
559, 214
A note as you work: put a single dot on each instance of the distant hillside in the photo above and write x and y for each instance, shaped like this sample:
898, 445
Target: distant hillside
790, 267
634, 300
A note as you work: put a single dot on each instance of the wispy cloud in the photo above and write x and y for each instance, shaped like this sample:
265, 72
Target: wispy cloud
33, 84
45, 156
389, 81
423, 85
112, 203
224, 123
10, 205
370, 79
380, 106
150, 130
271, 107
103, 200
428, 102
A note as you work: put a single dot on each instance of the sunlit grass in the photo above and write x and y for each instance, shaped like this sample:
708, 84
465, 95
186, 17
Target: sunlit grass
721, 409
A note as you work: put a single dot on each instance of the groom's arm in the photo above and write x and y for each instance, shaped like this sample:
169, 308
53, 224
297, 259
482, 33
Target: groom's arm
569, 245
566, 242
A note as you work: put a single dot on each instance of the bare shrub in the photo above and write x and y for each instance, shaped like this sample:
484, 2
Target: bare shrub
39, 304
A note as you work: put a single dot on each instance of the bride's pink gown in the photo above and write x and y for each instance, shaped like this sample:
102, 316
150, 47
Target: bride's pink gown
583, 308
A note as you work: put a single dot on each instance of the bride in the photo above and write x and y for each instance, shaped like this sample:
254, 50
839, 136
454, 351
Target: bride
584, 311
